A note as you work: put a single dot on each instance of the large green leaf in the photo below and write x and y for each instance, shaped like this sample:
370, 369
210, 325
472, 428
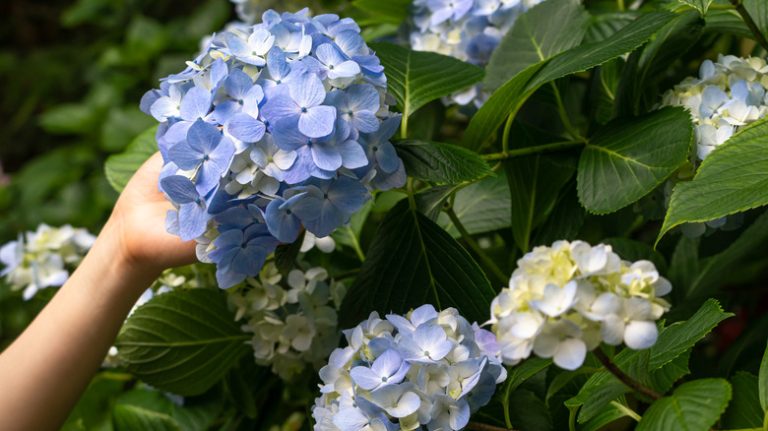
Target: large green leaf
732, 179
128, 417
441, 163
384, 12
758, 10
626, 160
694, 406
119, 168
542, 32
417, 78
182, 341
744, 410
508, 99
712, 272
412, 261
482, 207
534, 184
658, 367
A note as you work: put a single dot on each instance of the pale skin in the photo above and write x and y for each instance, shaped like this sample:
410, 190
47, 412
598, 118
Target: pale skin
46, 369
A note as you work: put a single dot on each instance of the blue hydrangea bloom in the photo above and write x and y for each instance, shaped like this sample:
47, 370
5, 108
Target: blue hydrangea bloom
426, 370
468, 30
274, 128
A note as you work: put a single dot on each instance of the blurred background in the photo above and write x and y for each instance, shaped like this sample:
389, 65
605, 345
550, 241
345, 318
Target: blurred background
71, 77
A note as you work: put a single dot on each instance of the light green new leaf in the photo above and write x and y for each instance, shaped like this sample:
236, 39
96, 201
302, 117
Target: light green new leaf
763, 381
700, 5
182, 341
411, 262
119, 168
694, 406
542, 32
732, 179
508, 99
482, 207
417, 78
441, 163
626, 160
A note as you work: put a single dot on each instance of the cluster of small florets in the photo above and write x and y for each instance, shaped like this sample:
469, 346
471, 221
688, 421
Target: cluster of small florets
566, 299
43, 258
293, 319
726, 96
424, 370
274, 128
465, 29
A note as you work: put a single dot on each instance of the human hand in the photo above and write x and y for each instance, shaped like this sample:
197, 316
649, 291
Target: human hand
138, 224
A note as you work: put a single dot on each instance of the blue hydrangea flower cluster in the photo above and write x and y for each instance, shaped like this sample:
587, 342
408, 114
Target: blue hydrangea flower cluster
465, 29
424, 370
273, 128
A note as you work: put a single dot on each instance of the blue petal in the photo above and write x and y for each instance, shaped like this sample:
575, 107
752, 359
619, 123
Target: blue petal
318, 121
180, 189
195, 104
193, 221
245, 128
185, 157
348, 195
281, 221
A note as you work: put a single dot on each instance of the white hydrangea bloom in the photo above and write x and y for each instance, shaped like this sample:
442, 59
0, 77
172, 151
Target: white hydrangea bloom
293, 319
727, 95
465, 29
564, 300
44, 257
426, 370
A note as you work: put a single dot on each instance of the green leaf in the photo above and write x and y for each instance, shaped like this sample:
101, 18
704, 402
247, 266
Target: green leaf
69, 119
534, 184
540, 33
626, 160
508, 99
565, 221
417, 78
482, 207
694, 406
121, 126
182, 341
441, 163
93, 411
732, 179
119, 168
383, 12
700, 5
412, 262
714, 270
608, 414
128, 418
681, 336
745, 410
763, 382
758, 10
658, 367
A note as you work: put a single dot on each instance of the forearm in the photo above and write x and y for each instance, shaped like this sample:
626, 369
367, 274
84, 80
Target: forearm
44, 371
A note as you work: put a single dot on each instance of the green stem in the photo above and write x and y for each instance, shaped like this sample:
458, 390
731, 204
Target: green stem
564, 114
626, 410
505, 135
356, 245
498, 273
759, 36
404, 126
555, 146
624, 377
620, 5
477, 426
